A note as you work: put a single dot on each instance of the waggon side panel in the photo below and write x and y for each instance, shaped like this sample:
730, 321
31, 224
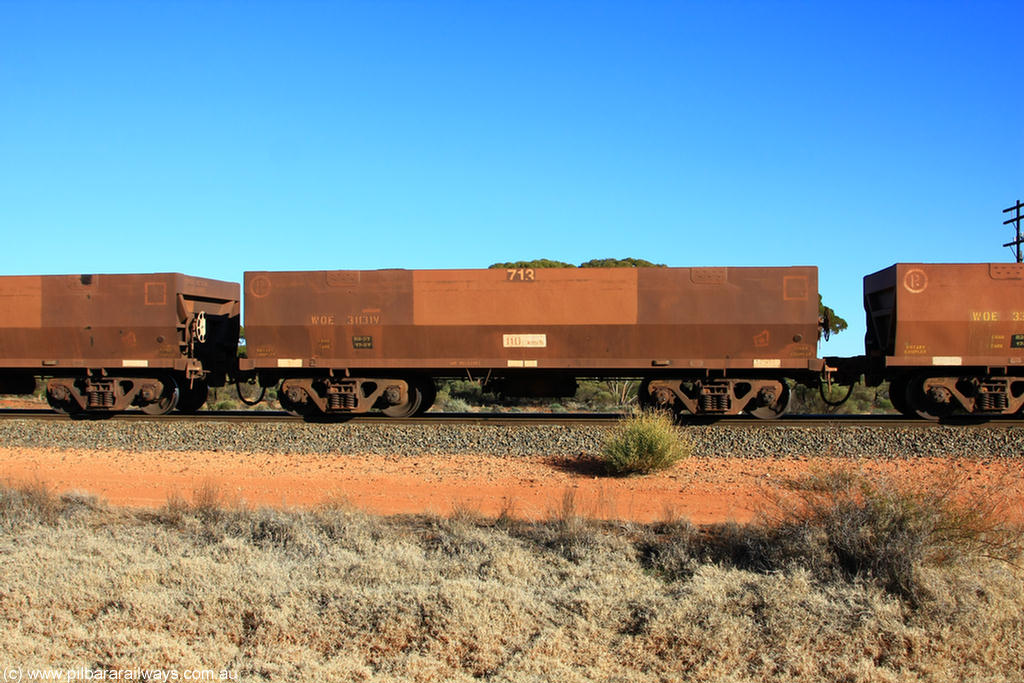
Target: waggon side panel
683, 318
104, 320
951, 314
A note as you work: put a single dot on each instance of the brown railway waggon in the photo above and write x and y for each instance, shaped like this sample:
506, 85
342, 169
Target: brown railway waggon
110, 342
715, 341
948, 336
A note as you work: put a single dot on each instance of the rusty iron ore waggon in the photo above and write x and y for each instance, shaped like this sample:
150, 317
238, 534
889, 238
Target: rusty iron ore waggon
949, 338
712, 341
110, 342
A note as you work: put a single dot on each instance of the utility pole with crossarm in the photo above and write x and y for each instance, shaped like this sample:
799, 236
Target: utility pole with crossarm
1016, 220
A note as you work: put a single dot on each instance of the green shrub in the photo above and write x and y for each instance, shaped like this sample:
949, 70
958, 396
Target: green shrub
644, 442
469, 391
447, 403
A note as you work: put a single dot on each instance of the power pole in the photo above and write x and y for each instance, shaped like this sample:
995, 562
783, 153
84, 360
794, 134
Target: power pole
1016, 220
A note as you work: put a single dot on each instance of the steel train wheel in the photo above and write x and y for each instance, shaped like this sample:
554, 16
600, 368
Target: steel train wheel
898, 396
191, 399
303, 409
167, 401
776, 409
429, 391
68, 406
920, 405
412, 404
644, 400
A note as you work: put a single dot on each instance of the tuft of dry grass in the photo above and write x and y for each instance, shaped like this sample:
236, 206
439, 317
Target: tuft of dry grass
887, 530
207, 499
508, 514
29, 501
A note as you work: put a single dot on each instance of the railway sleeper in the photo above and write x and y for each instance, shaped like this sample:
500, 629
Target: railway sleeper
331, 395
976, 394
103, 393
762, 398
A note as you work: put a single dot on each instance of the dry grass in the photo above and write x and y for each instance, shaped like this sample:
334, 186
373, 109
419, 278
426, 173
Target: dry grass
31, 501
887, 530
338, 595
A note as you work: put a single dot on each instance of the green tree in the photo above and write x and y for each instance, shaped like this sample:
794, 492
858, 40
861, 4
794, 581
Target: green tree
593, 263
621, 263
836, 324
863, 400
535, 263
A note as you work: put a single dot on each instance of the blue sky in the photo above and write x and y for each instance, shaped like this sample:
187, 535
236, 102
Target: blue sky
216, 137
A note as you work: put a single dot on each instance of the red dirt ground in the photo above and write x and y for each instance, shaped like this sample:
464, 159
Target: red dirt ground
9, 402
703, 490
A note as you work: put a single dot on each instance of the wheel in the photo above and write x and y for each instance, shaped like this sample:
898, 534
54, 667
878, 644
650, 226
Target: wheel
167, 401
191, 399
898, 396
68, 406
429, 392
644, 400
305, 409
776, 409
920, 405
411, 405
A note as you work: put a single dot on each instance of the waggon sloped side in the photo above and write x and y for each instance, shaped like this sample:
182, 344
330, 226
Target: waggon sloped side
947, 336
708, 340
111, 341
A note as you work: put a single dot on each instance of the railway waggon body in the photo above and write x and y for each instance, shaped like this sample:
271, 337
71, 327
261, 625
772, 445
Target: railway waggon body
110, 342
947, 337
716, 340
707, 341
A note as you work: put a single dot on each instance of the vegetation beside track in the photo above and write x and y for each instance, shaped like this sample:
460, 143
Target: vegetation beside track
644, 442
916, 588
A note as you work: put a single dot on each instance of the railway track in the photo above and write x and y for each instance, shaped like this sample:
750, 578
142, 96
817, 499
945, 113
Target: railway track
505, 419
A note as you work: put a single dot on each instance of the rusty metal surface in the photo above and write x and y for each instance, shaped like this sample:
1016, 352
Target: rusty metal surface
929, 314
55, 322
655, 319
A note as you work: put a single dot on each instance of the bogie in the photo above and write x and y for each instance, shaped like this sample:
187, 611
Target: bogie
763, 398
101, 393
936, 397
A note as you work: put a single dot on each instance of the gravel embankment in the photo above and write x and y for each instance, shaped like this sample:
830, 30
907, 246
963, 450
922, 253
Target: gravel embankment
505, 441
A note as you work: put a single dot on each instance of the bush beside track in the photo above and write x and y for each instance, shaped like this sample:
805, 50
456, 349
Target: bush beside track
642, 443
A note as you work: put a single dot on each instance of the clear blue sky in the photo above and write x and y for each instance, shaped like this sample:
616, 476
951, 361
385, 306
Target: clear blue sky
216, 137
